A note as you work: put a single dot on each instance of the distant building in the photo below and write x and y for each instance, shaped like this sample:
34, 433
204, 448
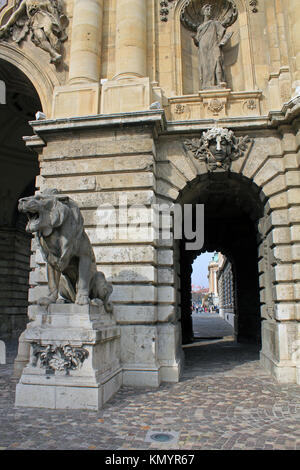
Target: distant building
225, 289
198, 293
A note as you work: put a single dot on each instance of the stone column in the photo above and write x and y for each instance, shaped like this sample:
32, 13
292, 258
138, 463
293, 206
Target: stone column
131, 30
129, 90
86, 41
80, 97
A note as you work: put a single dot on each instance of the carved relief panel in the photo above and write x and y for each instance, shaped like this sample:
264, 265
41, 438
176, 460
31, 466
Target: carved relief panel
44, 22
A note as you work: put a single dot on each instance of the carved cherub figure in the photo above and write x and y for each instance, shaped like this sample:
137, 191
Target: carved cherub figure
45, 21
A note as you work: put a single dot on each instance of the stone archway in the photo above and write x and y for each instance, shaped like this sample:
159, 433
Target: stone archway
19, 167
233, 206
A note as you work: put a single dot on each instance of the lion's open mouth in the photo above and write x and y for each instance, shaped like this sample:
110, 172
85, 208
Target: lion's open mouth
33, 221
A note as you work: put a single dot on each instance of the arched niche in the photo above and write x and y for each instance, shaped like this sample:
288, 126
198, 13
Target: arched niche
238, 60
42, 78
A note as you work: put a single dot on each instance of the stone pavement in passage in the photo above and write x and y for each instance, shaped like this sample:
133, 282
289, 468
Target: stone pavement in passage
224, 400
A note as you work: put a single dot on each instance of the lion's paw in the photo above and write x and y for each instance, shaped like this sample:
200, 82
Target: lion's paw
109, 307
82, 300
45, 301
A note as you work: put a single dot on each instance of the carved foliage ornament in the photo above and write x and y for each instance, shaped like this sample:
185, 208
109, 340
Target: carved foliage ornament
43, 20
218, 148
58, 358
253, 5
215, 106
164, 9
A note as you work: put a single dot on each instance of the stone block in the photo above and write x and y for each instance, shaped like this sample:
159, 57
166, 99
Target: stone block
295, 252
126, 95
96, 199
166, 189
283, 272
138, 314
169, 352
79, 100
166, 294
285, 311
279, 201
292, 178
283, 253
125, 181
272, 167
131, 273
165, 257
281, 235
166, 313
296, 272
295, 233
279, 217
139, 345
275, 185
125, 254
166, 275
134, 294
100, 164
284, 292
293, 196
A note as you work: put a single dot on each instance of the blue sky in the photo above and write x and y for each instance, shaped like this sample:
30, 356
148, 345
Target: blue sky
199, 274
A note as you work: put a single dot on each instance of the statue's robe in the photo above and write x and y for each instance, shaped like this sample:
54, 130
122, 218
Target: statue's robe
208, 38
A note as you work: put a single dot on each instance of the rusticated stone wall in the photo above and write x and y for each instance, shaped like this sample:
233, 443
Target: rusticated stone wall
14, 270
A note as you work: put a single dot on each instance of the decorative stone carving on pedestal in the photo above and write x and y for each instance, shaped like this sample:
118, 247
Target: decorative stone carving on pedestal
44, 20
74, 341
209, 22
218, 148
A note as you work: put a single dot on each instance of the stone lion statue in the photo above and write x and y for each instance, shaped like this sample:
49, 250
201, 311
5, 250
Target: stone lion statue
72, 273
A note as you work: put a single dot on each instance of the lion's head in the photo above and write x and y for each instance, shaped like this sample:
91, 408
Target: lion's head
48, 210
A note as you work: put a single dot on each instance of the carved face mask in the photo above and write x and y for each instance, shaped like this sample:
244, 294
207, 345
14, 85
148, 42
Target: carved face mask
219, 147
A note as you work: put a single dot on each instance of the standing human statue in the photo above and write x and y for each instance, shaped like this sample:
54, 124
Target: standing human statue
44, 19
210, 39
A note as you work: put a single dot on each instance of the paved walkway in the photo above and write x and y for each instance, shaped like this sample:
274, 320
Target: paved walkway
223, 401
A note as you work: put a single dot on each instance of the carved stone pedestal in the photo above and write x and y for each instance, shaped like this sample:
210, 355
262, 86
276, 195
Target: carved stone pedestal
74, 358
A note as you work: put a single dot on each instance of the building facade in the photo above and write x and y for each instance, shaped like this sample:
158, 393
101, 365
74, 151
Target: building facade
226, 289
148, 103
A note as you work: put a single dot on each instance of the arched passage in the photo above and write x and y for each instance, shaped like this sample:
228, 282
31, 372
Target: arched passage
233, 206
19, 167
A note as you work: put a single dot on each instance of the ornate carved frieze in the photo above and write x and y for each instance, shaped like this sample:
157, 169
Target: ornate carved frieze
58, 358
218, 148
44, 21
